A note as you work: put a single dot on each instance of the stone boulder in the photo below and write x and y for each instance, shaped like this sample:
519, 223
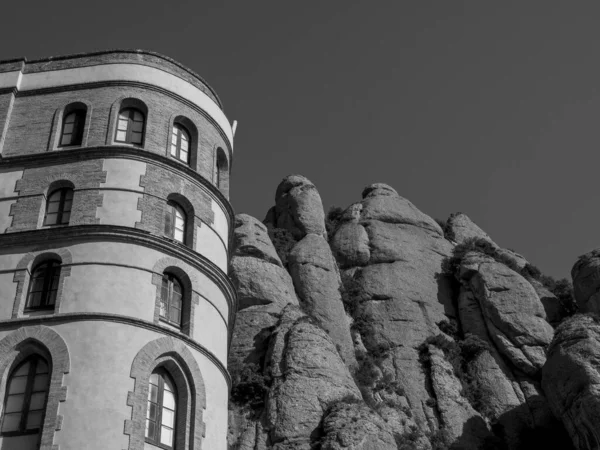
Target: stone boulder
317, 282
571, 379
460, 228
308, 377
354, 426
513, 313
298, 208
586, 282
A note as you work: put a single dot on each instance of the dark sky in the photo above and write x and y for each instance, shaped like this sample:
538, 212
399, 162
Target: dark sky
489, 109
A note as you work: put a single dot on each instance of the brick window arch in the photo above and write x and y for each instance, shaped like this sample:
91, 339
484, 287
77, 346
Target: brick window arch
178, 126
171, 299
73, 124
179, 219
58, 206
128, 122
45, 343
174, 358
43, 287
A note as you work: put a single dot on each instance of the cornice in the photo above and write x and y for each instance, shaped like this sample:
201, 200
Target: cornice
119, 151
138, 84
105, 317
25, 61
53, 237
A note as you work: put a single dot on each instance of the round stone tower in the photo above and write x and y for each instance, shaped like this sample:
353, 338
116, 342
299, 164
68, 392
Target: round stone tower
115, 306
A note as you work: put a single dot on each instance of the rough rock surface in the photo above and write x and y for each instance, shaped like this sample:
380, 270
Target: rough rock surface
298, 208
513, 314
571, 379
392, 278
354, 426
308, 376
586, 282
264, 288
317, 282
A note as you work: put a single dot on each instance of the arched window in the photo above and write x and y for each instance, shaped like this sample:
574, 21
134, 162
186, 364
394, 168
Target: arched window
180, 143
25, 399
171, 294
130, 127
72, 128
162, 410
175, 222
43, 286
58, 207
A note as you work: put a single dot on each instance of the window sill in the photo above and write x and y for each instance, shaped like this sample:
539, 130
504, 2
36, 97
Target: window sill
154, 444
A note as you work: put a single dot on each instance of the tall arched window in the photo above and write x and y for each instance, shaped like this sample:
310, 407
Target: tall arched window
26, 395
180, 143
58, 207
130, 128
175, 222
170, 299
43, 286
162, 410
72, 128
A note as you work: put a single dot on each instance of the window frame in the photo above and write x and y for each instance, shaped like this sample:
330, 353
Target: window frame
162, 375
180, 130
61, 206
171, 221
171, 280
78, 128
29, 390
131, 110
52, 272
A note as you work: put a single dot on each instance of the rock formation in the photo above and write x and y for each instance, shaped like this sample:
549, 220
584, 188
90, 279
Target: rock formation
383, 331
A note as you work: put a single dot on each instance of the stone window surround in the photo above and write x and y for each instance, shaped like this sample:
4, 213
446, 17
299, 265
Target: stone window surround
42, 340
57, 122
177, 359
120, 104
22, 277
59, 183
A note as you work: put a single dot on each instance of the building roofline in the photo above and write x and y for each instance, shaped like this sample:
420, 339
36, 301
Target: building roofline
105, 52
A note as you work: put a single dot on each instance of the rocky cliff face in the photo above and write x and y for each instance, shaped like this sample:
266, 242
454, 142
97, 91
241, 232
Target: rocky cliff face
380, 330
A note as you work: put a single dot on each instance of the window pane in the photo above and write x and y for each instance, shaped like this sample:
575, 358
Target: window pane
70, 118
168, 400
178, 235
23, 370
184, 144
34, 420
66, 139
174, 138
11, 422
136, 137
68, 129
14, 403
175, 316
69, 195
54, 197
51, 300
137, 116
53, 207
17, 385
67, 205
121, 136
150, 429
168, 418
54, 284
38, 283
65, 218
166, 436
174, 150
51, 219
137, 127
40, 383
154, 379
37, 401
42, 367
34, 299
153, 394
183, 155
152, 411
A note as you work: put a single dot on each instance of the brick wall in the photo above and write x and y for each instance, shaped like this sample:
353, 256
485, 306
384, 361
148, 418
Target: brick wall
32, 118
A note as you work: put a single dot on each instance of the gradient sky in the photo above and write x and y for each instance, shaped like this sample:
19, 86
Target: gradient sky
489, 109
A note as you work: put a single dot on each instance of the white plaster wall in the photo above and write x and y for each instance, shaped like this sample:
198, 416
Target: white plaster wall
209, 245
220, 224
209, 329
217, 397
119, 208
208, 289
8, 290
8, 181
109, 289
5, 217
123, 173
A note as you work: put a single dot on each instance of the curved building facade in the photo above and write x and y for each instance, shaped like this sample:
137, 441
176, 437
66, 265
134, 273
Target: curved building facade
116, 309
